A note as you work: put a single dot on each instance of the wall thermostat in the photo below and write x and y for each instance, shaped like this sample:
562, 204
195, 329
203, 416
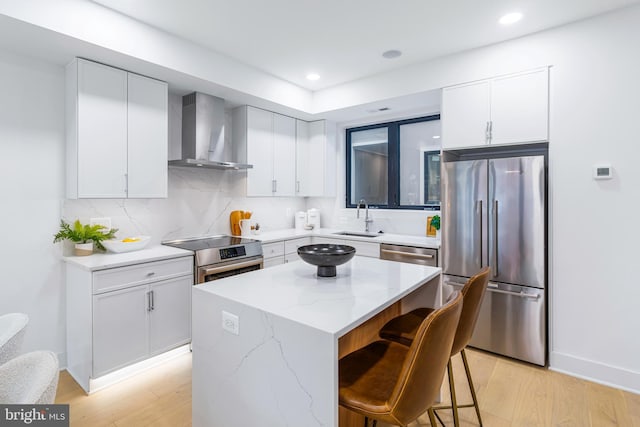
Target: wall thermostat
602, 172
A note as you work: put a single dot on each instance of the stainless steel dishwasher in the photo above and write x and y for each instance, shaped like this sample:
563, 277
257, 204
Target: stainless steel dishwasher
410, 254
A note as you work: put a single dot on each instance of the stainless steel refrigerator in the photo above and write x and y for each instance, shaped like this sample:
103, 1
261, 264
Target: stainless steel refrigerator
494, 214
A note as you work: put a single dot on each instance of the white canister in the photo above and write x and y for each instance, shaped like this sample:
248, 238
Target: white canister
300, 220
245, 227
313, 218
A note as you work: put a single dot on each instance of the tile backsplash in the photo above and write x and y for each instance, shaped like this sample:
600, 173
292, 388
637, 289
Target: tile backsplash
199, 204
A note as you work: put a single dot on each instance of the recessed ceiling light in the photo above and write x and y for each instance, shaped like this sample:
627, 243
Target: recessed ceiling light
436, 137
391, 54
510, 18
313, 76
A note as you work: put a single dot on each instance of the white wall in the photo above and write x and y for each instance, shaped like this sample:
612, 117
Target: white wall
31, 185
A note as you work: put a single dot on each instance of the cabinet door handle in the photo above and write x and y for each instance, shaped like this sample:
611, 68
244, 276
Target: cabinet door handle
486, 133
274, 186
126, 183
149, 301
151, 273
153, 303
490, 130
297, 186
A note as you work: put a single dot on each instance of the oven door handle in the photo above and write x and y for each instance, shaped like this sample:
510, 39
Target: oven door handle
234, 266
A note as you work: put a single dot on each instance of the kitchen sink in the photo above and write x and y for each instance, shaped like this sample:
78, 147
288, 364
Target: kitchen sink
356, 234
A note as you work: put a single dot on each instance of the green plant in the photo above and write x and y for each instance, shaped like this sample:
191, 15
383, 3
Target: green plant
79, 233
435, 222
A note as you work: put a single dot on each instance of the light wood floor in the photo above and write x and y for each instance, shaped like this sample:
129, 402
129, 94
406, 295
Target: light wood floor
510, 394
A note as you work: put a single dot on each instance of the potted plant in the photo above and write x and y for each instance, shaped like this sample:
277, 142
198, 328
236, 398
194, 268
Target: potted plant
84, 236
435, 223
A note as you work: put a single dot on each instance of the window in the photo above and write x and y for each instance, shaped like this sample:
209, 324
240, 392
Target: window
395, 165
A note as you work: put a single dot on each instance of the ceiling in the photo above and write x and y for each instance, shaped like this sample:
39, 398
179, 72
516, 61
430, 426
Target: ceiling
343, 40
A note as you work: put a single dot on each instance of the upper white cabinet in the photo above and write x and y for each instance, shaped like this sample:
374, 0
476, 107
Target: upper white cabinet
117, 133
290, 157
148, 135
503, 110
268, 142
315, 159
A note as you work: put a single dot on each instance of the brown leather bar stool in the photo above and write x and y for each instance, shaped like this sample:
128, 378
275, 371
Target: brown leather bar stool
403, 329
390, 382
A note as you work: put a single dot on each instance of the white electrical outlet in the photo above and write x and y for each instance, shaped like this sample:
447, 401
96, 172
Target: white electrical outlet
230, 323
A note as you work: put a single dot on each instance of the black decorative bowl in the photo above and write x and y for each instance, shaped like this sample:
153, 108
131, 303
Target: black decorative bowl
326, 256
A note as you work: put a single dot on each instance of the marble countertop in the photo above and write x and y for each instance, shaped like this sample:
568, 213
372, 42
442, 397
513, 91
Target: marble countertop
394, 239
362, 288
100, 261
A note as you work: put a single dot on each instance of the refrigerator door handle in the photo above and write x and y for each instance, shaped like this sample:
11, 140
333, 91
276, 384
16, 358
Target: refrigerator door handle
481, 230
495, 238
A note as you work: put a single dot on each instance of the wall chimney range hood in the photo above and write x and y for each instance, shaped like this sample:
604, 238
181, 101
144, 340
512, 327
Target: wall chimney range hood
203, 141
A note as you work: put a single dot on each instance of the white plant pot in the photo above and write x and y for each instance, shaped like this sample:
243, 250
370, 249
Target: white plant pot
83, 249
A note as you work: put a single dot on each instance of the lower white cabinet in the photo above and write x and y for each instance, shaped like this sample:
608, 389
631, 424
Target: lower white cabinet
282, 251
138, 316
120, 329
369, 249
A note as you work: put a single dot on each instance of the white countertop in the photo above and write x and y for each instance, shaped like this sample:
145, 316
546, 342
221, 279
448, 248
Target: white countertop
101, 261
362, 288
394, 239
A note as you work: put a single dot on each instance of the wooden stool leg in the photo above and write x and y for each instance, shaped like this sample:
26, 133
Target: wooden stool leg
470, 381
432, 418
452, 389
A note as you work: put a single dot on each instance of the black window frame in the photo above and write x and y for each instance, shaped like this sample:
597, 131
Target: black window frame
393, 170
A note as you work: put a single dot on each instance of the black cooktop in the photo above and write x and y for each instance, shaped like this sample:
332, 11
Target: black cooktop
209, 242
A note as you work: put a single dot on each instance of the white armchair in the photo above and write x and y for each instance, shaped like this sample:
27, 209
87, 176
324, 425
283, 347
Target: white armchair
31, 378
12, 329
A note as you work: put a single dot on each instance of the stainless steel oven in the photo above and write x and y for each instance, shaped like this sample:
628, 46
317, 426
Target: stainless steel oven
208, 273
216, 257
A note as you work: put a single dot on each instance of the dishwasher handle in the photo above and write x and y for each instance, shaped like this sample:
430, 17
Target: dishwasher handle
407, 254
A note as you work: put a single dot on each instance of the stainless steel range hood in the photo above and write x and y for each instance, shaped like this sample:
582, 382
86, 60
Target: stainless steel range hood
203, 142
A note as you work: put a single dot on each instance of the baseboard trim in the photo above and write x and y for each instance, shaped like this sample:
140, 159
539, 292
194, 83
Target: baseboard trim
597, 372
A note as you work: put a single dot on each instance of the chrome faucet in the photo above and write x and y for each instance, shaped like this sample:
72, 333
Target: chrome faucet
367, 220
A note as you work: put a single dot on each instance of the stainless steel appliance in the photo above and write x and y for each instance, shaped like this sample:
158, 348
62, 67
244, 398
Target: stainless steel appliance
203, 134
494, 213
410, 254
221, 256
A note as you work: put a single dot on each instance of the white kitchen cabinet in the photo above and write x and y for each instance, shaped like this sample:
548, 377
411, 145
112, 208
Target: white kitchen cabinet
123, 315
120, 328
502, 110
284, 155
268, 142
170, 317
272, 262
117, 133
282, 251
368, 249
147, 137
315, 159
465, 115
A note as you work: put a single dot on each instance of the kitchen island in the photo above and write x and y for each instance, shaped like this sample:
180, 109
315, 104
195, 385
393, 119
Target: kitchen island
266, 343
